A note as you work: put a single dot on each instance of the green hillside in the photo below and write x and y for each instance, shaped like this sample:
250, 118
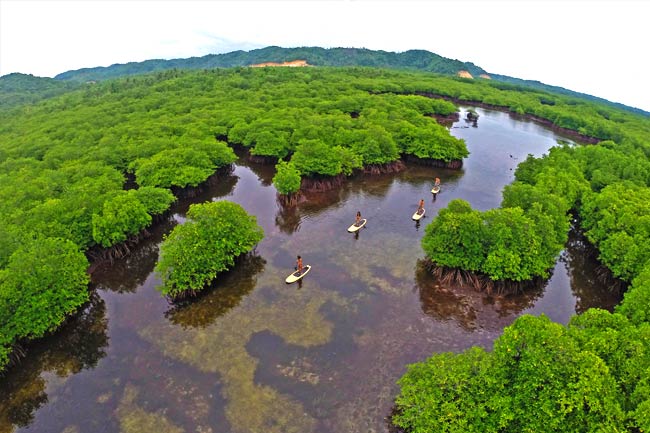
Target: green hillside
518, 82
17, 89
412, 59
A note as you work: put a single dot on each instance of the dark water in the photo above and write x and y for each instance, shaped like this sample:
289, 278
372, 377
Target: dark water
257, 355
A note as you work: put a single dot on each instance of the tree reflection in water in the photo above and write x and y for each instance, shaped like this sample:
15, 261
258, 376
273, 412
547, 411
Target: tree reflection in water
287, 219
224, 295
79, 345
591, 283
470, 309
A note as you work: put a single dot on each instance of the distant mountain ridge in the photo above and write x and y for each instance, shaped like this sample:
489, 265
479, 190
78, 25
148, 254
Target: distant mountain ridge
422, 60
413, 59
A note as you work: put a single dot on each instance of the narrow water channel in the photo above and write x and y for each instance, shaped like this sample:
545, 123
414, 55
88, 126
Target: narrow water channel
257, 355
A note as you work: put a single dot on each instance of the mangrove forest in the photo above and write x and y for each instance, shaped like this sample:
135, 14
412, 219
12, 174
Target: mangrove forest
90, 174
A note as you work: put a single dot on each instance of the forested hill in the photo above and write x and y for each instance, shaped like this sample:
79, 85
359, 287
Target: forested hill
527, 84
18, 89
412, 59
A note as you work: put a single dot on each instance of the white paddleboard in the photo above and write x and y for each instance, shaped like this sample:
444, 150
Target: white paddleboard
417, 216
296, 276
354, 227
436, 189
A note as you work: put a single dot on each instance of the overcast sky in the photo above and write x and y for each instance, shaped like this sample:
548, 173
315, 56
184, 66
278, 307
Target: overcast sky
598, 47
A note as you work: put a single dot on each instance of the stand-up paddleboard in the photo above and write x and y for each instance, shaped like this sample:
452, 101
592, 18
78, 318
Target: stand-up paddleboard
435, 189
296, 275
354, 227
418, 214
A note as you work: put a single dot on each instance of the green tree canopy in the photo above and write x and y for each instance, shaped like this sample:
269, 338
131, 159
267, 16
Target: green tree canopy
195, 252
179, 167
155, 200
44, 281
503, 244
636, 304
538, 378
455, 237
122, 216
287, 178
617, 221
314, 158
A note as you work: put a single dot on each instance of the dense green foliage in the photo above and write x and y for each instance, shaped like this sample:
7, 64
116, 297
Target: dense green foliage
194, 253
314, 158
121, 216
636, 304
287, 178
504, 244
43, 281
591, 376
617, 221
181, 166
155, 200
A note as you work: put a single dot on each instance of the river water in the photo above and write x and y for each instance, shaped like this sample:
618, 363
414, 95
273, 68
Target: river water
256, 355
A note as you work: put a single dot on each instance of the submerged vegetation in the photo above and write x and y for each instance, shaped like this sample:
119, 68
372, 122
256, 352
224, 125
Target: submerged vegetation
218, 345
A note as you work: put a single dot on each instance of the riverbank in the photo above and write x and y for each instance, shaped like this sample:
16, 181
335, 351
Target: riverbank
574, 135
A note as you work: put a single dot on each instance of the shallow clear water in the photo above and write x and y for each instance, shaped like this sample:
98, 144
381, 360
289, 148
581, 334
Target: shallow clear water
256, 355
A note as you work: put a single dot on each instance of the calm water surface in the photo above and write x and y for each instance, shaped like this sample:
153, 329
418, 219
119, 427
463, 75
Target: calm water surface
257, 355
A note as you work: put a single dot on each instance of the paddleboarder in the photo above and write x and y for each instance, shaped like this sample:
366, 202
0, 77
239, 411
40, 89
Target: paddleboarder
358, 218
299, 265
421, 206
436, 188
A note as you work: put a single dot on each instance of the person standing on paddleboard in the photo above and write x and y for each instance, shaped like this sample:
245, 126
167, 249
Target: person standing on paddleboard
436, 188
358, 219
421, 206
299, 265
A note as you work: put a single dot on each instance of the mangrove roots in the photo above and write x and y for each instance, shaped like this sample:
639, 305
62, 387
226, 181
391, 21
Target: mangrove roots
481, 282
389, 167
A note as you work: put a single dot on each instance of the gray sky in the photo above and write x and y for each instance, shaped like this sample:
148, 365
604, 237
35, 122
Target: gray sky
598, 47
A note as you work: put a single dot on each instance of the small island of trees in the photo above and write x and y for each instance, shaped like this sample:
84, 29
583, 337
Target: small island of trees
208, 243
